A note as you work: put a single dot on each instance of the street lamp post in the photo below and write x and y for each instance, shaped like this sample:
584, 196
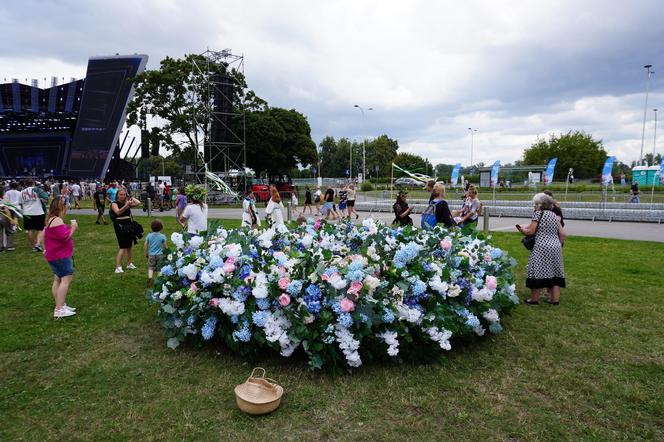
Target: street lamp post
364, 145
654, 140
645, 110
472, 140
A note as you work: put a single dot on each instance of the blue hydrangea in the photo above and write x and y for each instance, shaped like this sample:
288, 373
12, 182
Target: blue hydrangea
294, 287
245, 271
260, 318
177, 323
355, 265
388, 316
495, 328
418, 288
472, 321
329, 339
331, 271
496, 253
364, 318
235, 319
263, 303
241, 293
190, 320
346, 320
427, 267
356, 275
329, 329
242, 334
405, 254
336, 308
207, 331
179, 262
167, 270
215, 262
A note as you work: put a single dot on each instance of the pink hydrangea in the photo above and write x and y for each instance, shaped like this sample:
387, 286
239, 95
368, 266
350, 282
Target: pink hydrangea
325, 277
193, 287
317, 224
446, 244
283, 283
491, 282
284, 299
214, 302
347, 305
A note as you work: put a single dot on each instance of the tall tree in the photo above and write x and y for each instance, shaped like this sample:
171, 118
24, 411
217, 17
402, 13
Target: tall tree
576, 150
412, 163
380, 154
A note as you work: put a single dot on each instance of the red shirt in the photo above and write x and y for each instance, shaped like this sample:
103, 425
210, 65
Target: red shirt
58, 243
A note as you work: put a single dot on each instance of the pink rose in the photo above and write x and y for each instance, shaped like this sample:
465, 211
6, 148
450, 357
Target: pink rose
214, 302
284, 300
491, 282
355, 287
325, 277
317, 224
347, 305
283, 283
487, 258
446, 244
193, 287
230, 259
229, 267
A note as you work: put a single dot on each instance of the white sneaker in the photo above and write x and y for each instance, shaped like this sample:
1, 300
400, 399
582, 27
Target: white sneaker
68, 307
62, 313
131, 266
119, 270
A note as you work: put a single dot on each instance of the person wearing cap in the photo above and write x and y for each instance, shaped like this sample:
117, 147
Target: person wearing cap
402, 211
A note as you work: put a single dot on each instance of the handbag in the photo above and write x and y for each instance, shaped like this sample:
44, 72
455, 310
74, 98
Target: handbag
529, 240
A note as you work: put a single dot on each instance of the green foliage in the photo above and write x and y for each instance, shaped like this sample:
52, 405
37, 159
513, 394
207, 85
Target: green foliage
576, 150
158, 165
412, 163
335, 156
366, 186
277, 139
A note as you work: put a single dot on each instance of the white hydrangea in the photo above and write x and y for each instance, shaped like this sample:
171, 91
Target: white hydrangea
370, 225
177, 240
231, 307
307, 240
483, 294
196, 242
390, 338
348, 345
232, 250
441, 336
453, 291
337, 282
408, 314
438, 285
164, 293
260, 288
491, 315
372, 283
265, 238
190, 271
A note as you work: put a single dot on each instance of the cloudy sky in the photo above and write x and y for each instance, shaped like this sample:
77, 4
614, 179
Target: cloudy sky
514, 70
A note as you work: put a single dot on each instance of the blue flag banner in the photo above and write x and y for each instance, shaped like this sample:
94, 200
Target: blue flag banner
548, 175
661, 172
455, 174
494, 173
606, 171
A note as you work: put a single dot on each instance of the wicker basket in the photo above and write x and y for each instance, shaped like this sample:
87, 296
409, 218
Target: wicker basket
258, 395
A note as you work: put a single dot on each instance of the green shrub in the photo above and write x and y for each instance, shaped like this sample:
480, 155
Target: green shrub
366, 187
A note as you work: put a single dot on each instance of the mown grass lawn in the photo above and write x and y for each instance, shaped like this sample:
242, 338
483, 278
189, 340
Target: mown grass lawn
592, 368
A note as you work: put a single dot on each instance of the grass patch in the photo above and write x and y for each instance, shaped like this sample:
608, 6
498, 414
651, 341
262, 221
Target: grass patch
592, 368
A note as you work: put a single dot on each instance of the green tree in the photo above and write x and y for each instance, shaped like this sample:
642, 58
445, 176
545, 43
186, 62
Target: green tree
158, 165
380, 154
412, 163
278, 139
576, 150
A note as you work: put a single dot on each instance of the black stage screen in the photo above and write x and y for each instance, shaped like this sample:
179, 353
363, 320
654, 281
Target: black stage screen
106, 93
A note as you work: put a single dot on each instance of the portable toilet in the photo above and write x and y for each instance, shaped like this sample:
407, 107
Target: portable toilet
644, 175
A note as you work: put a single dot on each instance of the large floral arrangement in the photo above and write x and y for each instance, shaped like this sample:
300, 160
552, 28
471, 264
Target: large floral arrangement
342, 293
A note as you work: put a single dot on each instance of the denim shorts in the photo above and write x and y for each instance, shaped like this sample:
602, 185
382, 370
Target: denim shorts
62, 267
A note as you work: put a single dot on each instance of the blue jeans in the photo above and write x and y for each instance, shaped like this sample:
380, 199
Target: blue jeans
62, 267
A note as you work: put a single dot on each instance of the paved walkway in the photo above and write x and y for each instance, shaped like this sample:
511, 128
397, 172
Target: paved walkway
599, 229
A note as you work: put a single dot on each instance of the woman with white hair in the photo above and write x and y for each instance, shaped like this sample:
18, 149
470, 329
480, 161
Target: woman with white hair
545, 268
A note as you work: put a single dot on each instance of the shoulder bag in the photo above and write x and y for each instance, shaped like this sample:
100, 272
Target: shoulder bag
529, 240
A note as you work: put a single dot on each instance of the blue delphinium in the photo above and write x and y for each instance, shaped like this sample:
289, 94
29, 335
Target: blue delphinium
259, 318
243, 334
263, 303
294, 287
167, 270
207, 331
312, 298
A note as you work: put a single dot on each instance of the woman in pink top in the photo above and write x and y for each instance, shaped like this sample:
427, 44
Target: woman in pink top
58, 251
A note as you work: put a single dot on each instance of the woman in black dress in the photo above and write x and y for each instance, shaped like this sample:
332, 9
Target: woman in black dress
402, 211
121, 217
307, 201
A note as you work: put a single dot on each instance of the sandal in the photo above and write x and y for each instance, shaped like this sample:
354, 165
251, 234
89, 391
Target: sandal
553, 303
531, 302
